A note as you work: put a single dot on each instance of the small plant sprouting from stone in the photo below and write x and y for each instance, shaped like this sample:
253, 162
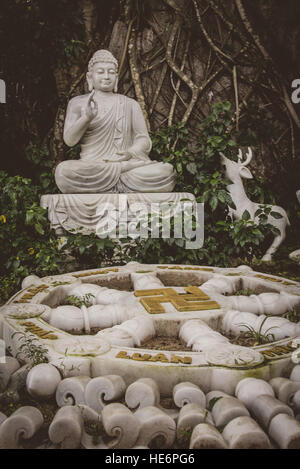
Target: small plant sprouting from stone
95, 430
78, 301
259, 337
212, 402
66, 367
31, 350
293, 315
185, 434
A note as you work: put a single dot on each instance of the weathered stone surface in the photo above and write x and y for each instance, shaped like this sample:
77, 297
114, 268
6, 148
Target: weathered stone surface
155, 424
186, 393
119, 422
23, 423
2, 417
7, 369
212, 397
249, 389
42, 381
284, 388
285, 431
295, 374
142, 393
190, 416
227, 409
66, 429
206, 436
245, 433
265, 407
18, 378
71, 391
103, 389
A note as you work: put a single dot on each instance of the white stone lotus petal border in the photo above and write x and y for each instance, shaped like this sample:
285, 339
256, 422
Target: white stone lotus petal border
142, 393
227, 409
206, 436
195, 425
245, 433
121, 424
23, 423
66, 429
189, 417
99, 391
188, 393
155, 423
71, 391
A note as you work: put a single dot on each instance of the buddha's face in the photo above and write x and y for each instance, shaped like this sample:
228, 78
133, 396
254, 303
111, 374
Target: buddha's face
102, 77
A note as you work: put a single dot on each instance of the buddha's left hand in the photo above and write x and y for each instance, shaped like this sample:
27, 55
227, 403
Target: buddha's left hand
123, 156
118, 157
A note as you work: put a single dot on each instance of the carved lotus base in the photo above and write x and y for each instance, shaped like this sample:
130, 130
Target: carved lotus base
103, 213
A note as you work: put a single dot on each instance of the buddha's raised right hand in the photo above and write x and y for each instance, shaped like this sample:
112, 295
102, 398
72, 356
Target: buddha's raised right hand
91, 108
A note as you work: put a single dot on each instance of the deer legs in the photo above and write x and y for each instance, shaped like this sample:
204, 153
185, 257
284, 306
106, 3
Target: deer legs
274, 246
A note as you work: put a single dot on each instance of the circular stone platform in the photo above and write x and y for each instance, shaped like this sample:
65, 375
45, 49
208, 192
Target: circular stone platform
193, 306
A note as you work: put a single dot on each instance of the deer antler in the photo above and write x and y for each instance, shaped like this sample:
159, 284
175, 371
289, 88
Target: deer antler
248, 157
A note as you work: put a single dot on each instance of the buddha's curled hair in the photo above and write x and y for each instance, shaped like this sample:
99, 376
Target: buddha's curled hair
102, 55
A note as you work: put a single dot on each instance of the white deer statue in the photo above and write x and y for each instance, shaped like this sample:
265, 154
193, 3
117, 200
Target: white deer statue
235, 171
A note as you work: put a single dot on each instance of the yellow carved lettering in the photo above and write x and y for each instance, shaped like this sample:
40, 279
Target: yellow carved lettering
178, 359
142, 358
160, 357
122, 354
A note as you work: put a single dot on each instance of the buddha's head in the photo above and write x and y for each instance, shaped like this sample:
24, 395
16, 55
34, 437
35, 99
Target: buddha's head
102, 72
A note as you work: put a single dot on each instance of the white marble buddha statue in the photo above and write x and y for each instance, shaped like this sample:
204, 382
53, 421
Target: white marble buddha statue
114, 140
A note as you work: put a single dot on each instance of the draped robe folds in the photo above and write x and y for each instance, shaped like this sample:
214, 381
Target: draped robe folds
121, 128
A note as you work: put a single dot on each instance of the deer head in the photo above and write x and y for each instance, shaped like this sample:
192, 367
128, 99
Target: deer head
238, 169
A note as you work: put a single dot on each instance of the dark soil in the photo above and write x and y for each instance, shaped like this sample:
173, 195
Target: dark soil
245, 340
165, 343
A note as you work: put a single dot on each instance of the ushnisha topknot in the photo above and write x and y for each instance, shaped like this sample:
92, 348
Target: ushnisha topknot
102, 55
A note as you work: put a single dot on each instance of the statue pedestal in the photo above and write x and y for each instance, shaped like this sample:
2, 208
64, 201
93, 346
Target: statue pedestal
108, 214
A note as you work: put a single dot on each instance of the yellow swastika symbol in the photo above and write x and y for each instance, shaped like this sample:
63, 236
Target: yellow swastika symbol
194, 300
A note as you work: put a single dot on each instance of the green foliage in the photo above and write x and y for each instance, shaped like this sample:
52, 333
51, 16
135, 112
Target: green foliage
258, 336
8, 285
31, 349
201, 173
28, 245
246, 292
293, 315
85, 300
72, 50
39, 156
212, 402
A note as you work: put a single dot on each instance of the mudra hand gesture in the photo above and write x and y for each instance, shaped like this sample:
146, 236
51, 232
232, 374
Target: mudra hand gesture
91, 108
119, 157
